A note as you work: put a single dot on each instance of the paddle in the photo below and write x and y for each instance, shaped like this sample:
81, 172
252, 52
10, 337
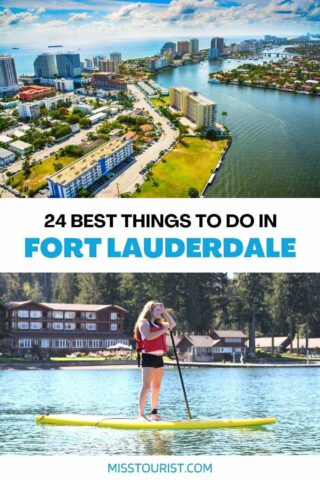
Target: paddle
180, 374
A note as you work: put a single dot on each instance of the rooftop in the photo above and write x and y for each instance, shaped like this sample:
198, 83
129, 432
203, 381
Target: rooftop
20, 145
230, 334
79, 307
200, 99
5, 153
83, 164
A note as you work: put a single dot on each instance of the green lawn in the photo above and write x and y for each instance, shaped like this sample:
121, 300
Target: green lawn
39, 172
163, 101
188, 165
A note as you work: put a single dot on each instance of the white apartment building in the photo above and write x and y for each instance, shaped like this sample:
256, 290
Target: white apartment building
29, 110
64, 84
6, 157
83, 172
200, 110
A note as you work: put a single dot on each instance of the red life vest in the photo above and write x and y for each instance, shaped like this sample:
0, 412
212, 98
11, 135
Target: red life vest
148, 346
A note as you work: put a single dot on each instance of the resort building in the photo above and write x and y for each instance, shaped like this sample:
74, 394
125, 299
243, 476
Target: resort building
200, 110
6, 157
29, 110
45, 66
156, 63
60, 327
85, 171
8, 75
35, 92
220, 345
107, 81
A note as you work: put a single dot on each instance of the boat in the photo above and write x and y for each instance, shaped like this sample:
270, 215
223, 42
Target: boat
212, 177
15, 48
55, 46
136, 424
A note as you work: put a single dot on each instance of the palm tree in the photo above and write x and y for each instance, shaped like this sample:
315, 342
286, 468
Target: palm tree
224, 114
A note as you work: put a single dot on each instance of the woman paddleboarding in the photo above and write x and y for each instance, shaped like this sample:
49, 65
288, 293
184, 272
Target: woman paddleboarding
150, 333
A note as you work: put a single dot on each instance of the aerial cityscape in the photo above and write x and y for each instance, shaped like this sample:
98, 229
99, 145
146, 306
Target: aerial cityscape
107, 126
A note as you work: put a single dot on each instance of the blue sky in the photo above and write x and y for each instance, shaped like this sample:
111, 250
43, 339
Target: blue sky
85, 21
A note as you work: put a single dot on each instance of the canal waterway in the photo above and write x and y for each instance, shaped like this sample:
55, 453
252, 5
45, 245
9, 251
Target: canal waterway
276, 135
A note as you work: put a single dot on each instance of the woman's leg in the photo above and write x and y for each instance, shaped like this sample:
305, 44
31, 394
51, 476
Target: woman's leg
157, 376
146, 385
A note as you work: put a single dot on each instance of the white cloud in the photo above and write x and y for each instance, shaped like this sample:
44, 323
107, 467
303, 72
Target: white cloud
8, 18
76, 17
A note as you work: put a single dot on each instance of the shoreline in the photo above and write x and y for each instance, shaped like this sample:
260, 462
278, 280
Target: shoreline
217, 168
132, 365
275, 89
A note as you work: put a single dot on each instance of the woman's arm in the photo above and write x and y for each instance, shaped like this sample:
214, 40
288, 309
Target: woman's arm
145, 330
169, 318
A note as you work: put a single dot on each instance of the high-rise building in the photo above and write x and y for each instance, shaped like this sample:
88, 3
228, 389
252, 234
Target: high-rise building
96, 60
88, 63
8, 75
183, 47
168, 47
218, 43
107, 65
194, 46
213, 53
200, 110
116, 57
45, 65
68, 65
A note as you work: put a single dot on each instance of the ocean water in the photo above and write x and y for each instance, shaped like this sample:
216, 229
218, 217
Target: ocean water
289, 394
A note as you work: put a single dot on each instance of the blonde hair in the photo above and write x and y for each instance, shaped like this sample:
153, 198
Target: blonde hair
145, 315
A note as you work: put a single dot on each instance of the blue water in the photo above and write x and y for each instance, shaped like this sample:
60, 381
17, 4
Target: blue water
276, 143
289, 394
130, 48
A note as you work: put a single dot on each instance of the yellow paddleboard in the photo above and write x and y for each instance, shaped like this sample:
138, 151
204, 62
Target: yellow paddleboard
136, 424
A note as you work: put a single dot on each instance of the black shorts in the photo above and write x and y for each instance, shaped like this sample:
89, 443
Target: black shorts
153, 361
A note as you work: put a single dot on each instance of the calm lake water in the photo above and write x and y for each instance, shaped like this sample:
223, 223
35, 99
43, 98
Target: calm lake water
276, 136
289, 394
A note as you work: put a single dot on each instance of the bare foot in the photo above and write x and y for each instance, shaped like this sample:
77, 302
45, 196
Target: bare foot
155, 417
143, 418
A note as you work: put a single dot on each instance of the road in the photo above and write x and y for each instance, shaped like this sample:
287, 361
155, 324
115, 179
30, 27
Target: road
126, 181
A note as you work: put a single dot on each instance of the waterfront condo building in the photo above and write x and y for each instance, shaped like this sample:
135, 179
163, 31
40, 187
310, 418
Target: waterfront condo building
218, 43
107, 81
200, 110
183, 47
85, 171
109, 66
45, 66
194, 46
60, 327
68, 65
8, 75
116, 57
